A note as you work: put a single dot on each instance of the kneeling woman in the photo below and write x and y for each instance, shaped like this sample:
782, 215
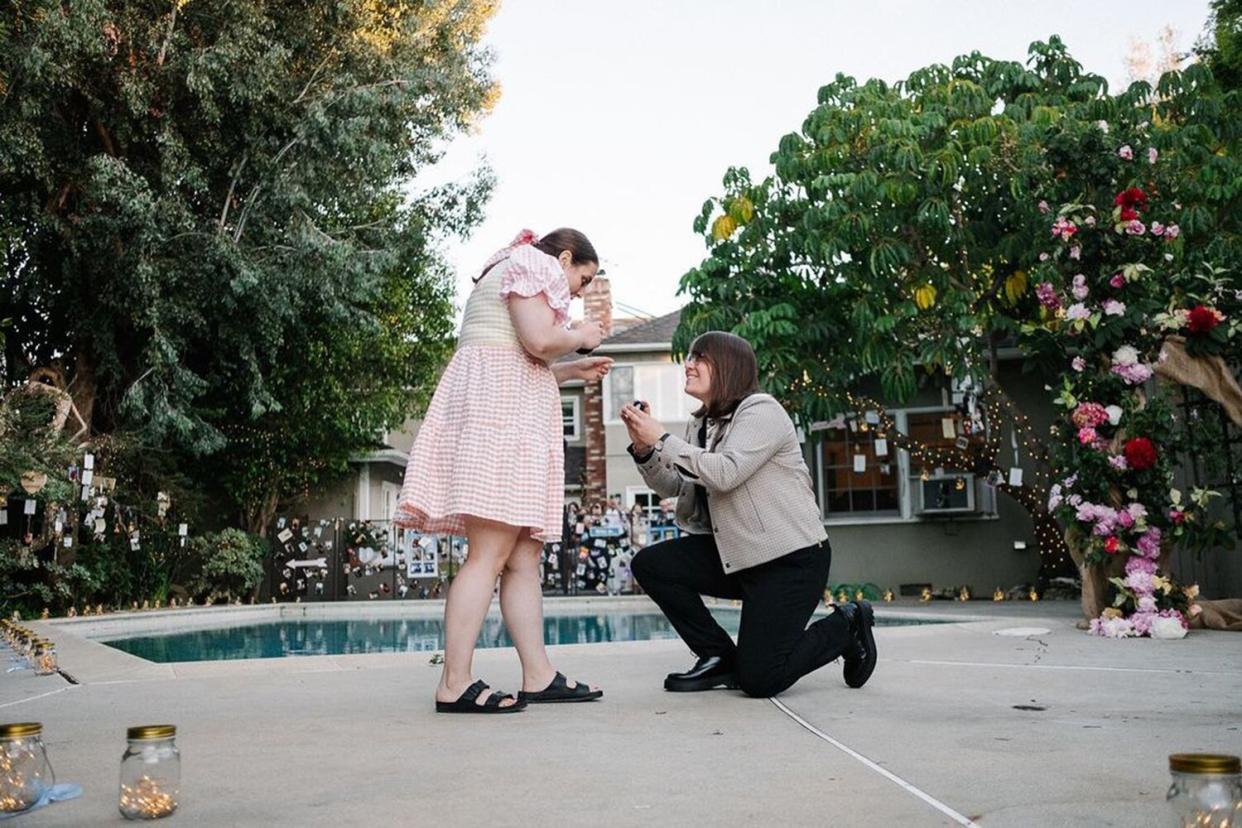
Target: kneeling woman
754, 533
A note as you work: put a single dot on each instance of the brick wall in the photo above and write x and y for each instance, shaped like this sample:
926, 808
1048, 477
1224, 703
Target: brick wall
597, 303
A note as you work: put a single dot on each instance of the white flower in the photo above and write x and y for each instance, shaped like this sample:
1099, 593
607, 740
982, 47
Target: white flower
1167, 628
1103, 126
1152, 155
1077, 311
1125, 355
1114, 414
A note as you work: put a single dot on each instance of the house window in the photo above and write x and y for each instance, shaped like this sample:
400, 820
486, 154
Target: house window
570, 421
646, 499
855, 480
662, 384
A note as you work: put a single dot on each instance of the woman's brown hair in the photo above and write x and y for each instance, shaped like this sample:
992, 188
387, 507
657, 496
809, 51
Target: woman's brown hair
735, 371
565, 238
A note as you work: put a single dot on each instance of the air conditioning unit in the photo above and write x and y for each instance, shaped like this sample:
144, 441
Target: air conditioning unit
947, 494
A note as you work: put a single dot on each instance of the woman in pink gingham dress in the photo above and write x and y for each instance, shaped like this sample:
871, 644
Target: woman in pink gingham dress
488, 461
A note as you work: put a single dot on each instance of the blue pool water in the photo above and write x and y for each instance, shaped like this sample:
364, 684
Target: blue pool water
302, 637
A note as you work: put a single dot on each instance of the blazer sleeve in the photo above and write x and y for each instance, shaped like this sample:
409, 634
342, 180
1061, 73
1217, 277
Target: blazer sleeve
757, 434
663, 479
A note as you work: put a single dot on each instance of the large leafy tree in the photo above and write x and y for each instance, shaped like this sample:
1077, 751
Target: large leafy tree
207, 220
893, 244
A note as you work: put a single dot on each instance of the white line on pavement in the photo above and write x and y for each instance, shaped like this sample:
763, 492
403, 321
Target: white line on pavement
892, 777
40, 696
1068, 667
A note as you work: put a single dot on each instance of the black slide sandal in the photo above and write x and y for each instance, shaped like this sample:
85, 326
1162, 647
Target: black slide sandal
466, 703
559, 691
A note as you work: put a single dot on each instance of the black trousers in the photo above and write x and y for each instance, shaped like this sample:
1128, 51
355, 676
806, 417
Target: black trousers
774, 646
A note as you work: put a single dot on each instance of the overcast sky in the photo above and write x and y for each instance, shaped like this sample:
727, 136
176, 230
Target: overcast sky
619, 119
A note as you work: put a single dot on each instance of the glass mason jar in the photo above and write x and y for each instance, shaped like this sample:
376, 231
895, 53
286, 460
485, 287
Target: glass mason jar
150, 772
45, 658
1206, 790
25, 773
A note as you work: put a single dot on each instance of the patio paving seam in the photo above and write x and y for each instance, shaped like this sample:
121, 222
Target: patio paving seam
942, 807
990, 664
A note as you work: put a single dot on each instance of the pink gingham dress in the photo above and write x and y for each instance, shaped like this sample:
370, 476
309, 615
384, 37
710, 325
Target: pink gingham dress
491, 444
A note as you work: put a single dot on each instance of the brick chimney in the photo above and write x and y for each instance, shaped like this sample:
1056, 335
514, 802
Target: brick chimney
597, 304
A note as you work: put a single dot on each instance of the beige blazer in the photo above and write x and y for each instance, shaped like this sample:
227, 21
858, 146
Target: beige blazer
758, 487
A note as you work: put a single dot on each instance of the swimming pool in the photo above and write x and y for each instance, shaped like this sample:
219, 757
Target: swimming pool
282, 638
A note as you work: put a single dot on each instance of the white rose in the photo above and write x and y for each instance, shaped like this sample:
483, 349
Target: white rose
1125, 355
1114, 414
1167, 628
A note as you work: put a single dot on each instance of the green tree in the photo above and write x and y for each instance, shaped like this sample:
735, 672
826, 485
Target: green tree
1221, 44
188, 188
894, 241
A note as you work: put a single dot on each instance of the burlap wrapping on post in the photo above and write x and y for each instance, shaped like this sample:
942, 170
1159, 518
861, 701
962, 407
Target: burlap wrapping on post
1225, 614
1209, 374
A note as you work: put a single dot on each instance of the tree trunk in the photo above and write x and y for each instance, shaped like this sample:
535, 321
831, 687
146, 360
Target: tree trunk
259, 516
83, 388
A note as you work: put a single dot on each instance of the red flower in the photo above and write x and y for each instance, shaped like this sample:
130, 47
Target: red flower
1129, 214
1140, 453
1112, 545
1201, 319
1133, 197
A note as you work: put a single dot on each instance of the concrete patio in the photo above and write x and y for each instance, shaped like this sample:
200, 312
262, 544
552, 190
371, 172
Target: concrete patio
959, 725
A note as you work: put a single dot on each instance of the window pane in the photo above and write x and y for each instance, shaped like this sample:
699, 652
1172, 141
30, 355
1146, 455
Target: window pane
874, 490
621, 383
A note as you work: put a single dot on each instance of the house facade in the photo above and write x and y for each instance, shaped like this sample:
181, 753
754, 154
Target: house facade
891, 522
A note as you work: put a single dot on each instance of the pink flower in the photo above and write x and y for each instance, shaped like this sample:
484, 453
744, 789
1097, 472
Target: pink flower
1135, 374
1063, 228
1177, 516
1117, 281
1140, 583
1147, 603
1080, 289
1078, 363
1114, 308
1172, 231
1124, 519
1149, 544
1077, 311
1142, 621
1087, 435
1137, 564
1157, 228
1047, 295
1136, 228
1152, 155
1044, 208
1075, 252
1089, 414
1126, 153
1137, 511
1118, 462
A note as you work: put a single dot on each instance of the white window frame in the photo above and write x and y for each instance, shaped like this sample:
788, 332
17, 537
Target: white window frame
986, 504
577, 417
669, 410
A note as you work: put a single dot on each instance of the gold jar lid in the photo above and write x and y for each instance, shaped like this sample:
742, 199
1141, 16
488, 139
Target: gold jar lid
146, 732
1205, 763
18, 730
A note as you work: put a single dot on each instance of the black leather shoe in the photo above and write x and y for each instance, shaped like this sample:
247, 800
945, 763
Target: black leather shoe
706, 674
860, 658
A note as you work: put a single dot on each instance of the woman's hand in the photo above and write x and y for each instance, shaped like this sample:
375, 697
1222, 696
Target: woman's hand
591, 369
589, 332
644, 429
